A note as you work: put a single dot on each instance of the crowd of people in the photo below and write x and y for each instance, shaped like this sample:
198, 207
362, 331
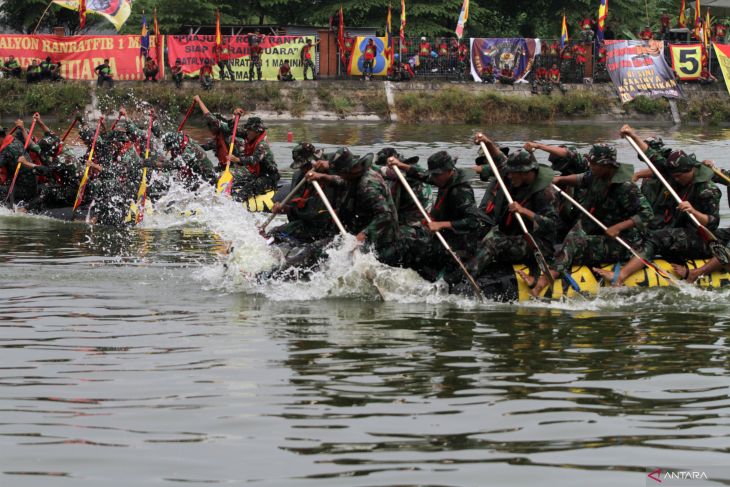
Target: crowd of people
373, 204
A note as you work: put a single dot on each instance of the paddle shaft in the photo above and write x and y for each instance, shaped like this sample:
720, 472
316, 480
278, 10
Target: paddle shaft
85, 177
720, 174
621, 241
327, 205
142, 192
668, 187
114, 125
233, 139
65, 134
190, 111
28, 136
439, 236
286, 200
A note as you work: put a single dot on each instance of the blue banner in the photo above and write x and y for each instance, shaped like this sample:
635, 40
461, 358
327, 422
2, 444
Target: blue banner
638, 68
517, 54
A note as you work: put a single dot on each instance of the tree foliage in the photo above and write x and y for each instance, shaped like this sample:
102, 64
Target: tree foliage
487, 18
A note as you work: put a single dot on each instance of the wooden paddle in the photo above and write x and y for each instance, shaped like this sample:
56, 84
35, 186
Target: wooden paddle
137, 207
225, 182
85, 177
190, 110
29, 135
720, 174
541, 262
621, 241
439, 236
327, 205
286, 200
716, 247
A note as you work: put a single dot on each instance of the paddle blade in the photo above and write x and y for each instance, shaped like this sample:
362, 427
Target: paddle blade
541, 261
11, 190
82, 188
225, 182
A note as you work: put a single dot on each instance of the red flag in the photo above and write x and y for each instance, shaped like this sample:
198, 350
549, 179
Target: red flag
160, 49
217, 28
341, 39
682, 20
82, 14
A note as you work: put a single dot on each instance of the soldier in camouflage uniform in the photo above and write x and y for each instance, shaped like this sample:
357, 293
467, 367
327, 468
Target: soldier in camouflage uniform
408, 213
678, 239
366, 209
530, 186
189, 159
222, 129
26, 189
657, 153
616, 202
491, 189
308, 217
66, 171
254, 168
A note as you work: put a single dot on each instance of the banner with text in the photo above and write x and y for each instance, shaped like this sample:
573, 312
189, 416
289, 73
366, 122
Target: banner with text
516, 54
79, 55
722, 51
193, 50
686, 60
638, 68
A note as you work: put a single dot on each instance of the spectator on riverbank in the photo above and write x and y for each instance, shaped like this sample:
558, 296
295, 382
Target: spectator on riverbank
177, 73
255, 61
33, 73
371, 52
150, 70
285, 73
307, 56
206, 75
719, 31
507, 75
222, 55
487, 74
49, 70
646, 34
12, 67
104, 74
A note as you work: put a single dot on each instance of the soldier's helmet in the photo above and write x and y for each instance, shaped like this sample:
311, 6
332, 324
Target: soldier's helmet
255, 124
602, 155
679, 161
48, 145
440, 163
381, 158
521, 161
303, 153
342, 160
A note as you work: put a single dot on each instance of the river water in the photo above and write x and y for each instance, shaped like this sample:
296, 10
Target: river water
145, 357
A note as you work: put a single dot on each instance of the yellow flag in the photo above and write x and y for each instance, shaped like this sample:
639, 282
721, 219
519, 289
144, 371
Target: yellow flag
722, 52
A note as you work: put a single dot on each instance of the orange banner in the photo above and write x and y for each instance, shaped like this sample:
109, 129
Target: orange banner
79, 55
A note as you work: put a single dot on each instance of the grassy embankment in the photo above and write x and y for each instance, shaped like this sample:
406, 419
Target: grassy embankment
58, 99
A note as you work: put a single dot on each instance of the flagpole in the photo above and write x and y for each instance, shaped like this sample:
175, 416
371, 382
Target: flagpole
42, 16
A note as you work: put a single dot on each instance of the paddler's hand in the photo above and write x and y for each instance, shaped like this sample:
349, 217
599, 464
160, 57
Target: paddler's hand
239, 111
232, 158
437, 226
315, 176
19, 123
122, 112
480, 137
196, 99
531, 146
515, 207
276, 209
36, 116
478, 169
709, 163
360, 237
321, 165
686, 207
395, 162
628, 131
613, 231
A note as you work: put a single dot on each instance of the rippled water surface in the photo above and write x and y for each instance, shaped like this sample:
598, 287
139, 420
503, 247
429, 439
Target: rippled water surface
139, 358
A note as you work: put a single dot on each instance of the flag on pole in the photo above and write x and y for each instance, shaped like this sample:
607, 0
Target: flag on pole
403, 22
115, 11
159, 49
564, 38
144, 41
82, 14
389, 40
698, 21
462, 19
218, 39
682, 19
707, 30
341, 39
602, 14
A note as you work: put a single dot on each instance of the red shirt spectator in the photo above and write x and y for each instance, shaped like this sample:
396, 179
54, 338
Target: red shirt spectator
305, 50
443, 49
567, 53
370, 51
719, 30
646, 34
665, 22
463, 52
554, 49
580, 54
206, 70
349, 43
541, 73
602, 55
424, 48
554, 74
256, 51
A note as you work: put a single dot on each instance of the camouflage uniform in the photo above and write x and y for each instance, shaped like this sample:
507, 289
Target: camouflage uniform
651, 187
490, 190
66, 172
677, 239
408, 212
367, 206
258, 172
189, 159
26, 185
308, 217
505, 242
611, 201
573, 163
222, 129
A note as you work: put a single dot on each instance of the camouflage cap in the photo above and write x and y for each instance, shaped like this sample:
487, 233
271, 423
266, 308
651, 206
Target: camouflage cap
602, 155
521, 161
255, 124
440, 163
172, 139
303, 153
679, 161
48, 145
381, 158
655, 143
342, 160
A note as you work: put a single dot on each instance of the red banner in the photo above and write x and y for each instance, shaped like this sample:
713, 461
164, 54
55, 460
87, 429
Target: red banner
193, 50
79, 55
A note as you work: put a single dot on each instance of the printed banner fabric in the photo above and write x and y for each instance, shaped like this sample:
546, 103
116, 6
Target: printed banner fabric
115, 11
79, 55
638, 68
723, 57
357, 59
517, 54
686, 60
195, 49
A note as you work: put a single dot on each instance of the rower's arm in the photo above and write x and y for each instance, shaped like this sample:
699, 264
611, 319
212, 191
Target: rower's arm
572, 180
553, 150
